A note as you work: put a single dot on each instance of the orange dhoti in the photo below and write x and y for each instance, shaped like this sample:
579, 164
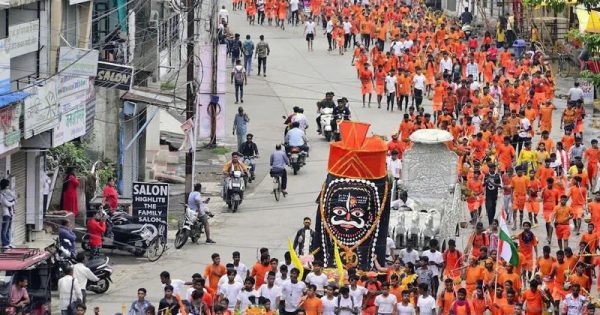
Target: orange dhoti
532, 205
366, 88
563, 231
519, 201
473, 203
592, 170
379, 88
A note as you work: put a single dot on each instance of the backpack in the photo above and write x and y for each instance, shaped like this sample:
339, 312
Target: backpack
238, 75
337, 309
248, 48
235, 47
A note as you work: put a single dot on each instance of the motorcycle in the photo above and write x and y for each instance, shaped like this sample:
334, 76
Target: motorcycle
337, 136
138, 239
190, 226
249, 161
326, 118
99, 266
235, 190
297, 158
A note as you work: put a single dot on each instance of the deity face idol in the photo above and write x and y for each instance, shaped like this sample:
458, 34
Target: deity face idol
350, 209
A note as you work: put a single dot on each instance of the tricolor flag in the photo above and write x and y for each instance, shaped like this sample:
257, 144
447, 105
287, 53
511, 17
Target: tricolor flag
506, 246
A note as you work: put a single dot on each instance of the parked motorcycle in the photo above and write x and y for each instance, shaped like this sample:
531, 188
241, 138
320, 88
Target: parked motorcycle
99, 266
297, 158
189, 226
236, 184
138, 239
326, 118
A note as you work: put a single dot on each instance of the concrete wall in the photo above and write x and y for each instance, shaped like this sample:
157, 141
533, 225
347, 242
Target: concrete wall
105, 134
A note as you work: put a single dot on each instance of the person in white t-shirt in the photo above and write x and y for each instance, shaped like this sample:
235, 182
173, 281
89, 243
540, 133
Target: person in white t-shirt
329, 301
269, 290
225, 278
345, 303
242, 271
231, 289
178, 285
405, 307
408, 255
317, 277
357, 292
243, 298
223, 14
394, 165
309, 32
385, 303
390, 89
292, 291
390, 246
436, 261
418, 88
426, 303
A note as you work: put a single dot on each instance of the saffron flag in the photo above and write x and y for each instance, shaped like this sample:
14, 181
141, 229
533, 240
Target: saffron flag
295, 260
506, 246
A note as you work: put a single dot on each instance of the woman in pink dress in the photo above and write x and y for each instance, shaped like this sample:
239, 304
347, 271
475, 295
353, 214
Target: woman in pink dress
68, 199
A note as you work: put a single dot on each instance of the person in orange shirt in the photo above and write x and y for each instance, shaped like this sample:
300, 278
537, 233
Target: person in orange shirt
453, 260
545, 122
214, 271
532, 205
578, 195
282, 13
479, 147
497, 299
533, 301
404, 85
592, 156
472, 274
519, 184
558, 273
560, 217
578, 277
310, 303
594, 209
446, 297
379, 84
366, 80
511, 304
476, 198
260, 269
439, 93
549, 201
461, 306
590, 239
506, 154
527, 246
544, 266
480, 301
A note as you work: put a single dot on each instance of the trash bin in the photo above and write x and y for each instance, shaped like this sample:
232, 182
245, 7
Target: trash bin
519, 46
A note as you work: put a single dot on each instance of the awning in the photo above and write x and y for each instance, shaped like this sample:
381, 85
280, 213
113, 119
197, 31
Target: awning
11, 98
589, 21
21, 258
148, 96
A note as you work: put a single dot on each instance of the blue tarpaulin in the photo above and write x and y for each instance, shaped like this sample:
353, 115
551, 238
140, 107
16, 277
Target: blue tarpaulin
13, 97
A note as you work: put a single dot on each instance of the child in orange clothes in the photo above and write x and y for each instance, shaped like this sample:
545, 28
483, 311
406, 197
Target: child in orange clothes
338, 37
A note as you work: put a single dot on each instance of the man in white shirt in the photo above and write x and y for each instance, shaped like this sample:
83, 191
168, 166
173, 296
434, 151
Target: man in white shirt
231, 289
292, 291
474, 85
301, 119
385, 303
473, 69
426, 303
446, 64
436, 261
390, 89
82, 274
405, 307
317, 278
225, 278
574, 303
394, 165
296, 138
356, 291
243, 298
575, 93
345, 304
347, 33
418, 88
68, 290
390, 246
223, 14
294, 9
329, 32
270, 291
242, 270
408, 255
309, 32
165, 279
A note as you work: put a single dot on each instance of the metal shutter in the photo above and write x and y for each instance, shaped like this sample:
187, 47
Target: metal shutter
18, 170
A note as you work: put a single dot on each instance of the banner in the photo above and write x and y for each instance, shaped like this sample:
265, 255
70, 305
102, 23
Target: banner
78, 62
73, 94
10, 133
150, 203
588, 91
41, 108
112, 75
24, 38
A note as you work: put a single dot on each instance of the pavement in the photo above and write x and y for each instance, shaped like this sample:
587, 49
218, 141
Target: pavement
294, 77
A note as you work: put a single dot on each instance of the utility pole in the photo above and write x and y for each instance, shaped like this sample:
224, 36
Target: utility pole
190, 107
214, 65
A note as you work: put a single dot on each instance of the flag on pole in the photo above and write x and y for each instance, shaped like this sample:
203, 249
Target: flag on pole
338, 263
506, 246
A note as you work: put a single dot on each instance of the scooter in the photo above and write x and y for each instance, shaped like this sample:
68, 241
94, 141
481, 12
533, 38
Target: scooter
326, 118
128, 236
235, 190
99, 266
249, 161
189, 226
297, 158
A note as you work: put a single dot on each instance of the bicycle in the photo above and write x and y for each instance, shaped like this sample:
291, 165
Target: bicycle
157, 247
565, 64
276, 186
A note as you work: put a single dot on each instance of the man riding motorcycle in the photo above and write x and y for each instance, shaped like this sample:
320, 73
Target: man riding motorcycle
340, 112
249, 151
296, 138
327, 102
230, 166
288, 121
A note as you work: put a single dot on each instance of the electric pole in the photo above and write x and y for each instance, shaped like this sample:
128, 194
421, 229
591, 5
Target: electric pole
190, 107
